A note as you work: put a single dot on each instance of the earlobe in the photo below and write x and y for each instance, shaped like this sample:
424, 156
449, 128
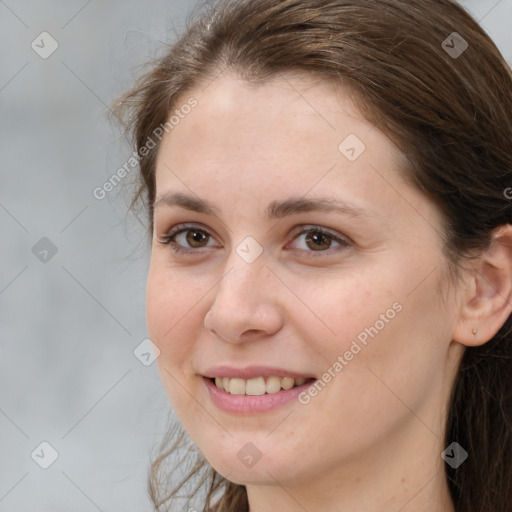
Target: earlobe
487, 301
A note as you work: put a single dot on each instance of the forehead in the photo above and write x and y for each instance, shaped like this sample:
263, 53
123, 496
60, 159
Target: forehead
244, 145
288, 124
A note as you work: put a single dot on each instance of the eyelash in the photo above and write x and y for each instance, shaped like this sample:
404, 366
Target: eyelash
167, 239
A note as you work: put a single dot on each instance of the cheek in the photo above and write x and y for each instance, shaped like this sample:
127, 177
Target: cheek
373, 322
172, 306
336, 311
392, 355
172, 317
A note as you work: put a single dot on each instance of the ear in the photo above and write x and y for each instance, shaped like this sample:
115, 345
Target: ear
486, 302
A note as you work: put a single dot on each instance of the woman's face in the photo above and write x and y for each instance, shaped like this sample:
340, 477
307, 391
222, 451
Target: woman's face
273, 284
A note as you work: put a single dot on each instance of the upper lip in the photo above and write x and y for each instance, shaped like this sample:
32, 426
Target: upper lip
250, 372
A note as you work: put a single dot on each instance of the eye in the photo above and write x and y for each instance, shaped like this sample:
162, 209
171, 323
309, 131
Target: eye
319, 240
186, 238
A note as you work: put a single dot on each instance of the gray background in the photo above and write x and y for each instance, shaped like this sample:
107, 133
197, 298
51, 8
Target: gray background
69, 325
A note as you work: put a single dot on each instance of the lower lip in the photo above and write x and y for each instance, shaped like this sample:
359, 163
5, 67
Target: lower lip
252, 404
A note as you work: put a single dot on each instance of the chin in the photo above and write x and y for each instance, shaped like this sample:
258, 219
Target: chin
260, 474
242, 463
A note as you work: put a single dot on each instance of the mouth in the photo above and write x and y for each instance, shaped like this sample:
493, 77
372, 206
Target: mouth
258, 386
254, 395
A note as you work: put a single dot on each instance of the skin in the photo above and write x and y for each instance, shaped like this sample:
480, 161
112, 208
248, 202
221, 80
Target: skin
371, 440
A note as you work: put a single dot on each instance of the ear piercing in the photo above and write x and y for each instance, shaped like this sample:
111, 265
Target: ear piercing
474, 331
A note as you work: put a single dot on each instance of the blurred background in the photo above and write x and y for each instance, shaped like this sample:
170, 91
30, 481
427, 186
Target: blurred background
81, 406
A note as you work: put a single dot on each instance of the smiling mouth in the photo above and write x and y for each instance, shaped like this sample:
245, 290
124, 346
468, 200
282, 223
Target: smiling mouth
259, 385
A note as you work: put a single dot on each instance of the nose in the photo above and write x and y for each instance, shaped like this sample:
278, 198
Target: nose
246, 304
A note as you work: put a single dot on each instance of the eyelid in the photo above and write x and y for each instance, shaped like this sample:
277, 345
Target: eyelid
303, 228
179, 228
343, 241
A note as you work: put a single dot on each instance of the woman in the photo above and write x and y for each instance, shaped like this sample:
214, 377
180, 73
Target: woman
327, 185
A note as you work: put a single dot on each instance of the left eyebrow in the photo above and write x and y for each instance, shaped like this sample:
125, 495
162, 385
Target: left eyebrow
275, 210
294, 205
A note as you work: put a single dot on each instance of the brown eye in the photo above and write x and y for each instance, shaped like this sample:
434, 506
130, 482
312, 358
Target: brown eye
186, 238
194, 237
317, 240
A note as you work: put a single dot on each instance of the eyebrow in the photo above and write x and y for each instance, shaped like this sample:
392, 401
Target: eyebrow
275, 210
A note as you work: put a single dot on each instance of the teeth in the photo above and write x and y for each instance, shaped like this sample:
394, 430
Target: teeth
273, 385
287, 382
237, 386
257, 386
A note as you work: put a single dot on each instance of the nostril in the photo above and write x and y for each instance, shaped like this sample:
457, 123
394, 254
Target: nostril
249, 333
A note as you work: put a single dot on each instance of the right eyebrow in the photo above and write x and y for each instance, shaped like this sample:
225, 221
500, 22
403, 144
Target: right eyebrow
187, 202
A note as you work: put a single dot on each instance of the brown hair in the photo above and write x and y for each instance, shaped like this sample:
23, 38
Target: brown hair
451, 117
